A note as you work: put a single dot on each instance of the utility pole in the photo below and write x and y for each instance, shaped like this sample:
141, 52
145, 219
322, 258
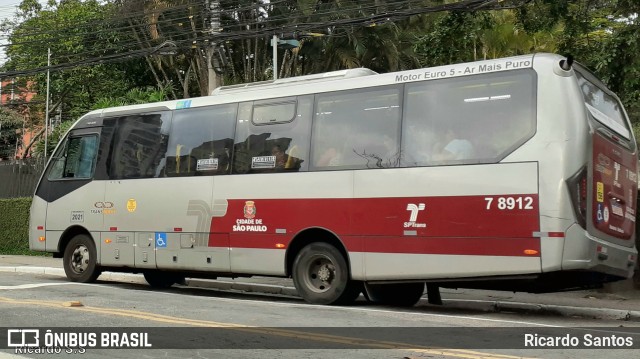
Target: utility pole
274, 44
214, 7
46, 113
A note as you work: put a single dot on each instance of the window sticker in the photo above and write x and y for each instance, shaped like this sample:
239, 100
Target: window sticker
261, 162
207, 164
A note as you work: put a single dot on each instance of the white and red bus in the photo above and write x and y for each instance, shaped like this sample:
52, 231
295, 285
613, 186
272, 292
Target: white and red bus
516, 174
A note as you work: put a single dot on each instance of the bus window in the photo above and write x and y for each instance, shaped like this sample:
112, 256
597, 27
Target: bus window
273, 135
357, 129
201, 141
76, 159
604, 107
473, 119
139, 145
269, 112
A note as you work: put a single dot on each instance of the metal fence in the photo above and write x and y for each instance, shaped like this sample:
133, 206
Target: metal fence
19, 178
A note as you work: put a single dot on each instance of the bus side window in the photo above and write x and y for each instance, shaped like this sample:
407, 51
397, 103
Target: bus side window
139, 145
467, 120
273, 135
357, 129
76, 159
200, 141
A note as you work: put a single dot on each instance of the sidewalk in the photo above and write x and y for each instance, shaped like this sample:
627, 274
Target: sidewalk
621, 303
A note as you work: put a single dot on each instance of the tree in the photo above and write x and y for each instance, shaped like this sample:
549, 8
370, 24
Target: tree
11, 123
134, 96
52, 140
76, 32
603, 35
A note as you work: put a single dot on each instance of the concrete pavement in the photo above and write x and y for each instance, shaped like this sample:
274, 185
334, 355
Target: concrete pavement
620, 301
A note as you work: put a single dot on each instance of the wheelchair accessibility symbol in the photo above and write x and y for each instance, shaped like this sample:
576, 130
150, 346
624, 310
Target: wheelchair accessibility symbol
161, 240
602, 215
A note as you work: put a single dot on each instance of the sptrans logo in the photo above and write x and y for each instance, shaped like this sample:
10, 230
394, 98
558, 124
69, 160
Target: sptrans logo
413, 217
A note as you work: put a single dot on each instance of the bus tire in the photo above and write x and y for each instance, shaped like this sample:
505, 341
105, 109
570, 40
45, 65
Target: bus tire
162, 280
396, 294
321, 276
80, 260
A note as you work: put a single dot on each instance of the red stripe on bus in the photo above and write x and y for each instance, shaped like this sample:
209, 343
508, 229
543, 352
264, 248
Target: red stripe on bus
482, 225
447, 216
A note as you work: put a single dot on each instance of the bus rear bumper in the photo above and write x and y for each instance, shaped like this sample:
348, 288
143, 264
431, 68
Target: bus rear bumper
598, 256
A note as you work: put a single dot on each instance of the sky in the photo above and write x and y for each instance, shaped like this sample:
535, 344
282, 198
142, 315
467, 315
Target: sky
7, 10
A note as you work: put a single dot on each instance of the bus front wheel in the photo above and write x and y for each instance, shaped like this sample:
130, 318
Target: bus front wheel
397, 294
321, 276
81, 260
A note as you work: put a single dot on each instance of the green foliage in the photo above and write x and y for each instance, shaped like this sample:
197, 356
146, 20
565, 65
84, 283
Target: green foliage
14, 225
135, 96
602, 34
52, 140
75, 31
10, 126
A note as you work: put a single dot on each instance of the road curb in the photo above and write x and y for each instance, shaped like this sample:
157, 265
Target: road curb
245, 287
473, 304
544, 309
59, 272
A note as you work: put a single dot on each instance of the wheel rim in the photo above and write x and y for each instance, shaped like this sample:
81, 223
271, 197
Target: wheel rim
80, 259
321, 275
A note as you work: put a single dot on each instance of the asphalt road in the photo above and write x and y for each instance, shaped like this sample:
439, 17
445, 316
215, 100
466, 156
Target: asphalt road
207, 323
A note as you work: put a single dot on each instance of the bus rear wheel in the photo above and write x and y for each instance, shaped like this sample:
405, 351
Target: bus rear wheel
321, 276
80, 260
162, 280
396, 294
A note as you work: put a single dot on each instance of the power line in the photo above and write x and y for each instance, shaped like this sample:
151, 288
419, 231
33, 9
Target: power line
468, 5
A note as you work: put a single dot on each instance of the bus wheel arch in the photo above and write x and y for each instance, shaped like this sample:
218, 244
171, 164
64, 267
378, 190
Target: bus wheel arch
80, 258
68, 235
319, 265
308, 236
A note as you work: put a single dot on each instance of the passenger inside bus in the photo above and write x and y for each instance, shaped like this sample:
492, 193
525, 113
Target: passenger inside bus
330, 157
286, 161
281, 157
453, 146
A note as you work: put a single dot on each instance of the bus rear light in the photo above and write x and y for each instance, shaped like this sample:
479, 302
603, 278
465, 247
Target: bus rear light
578, 189
530, 252
41, 239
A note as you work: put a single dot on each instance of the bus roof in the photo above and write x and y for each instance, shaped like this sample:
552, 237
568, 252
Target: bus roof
330, 81
321, 77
